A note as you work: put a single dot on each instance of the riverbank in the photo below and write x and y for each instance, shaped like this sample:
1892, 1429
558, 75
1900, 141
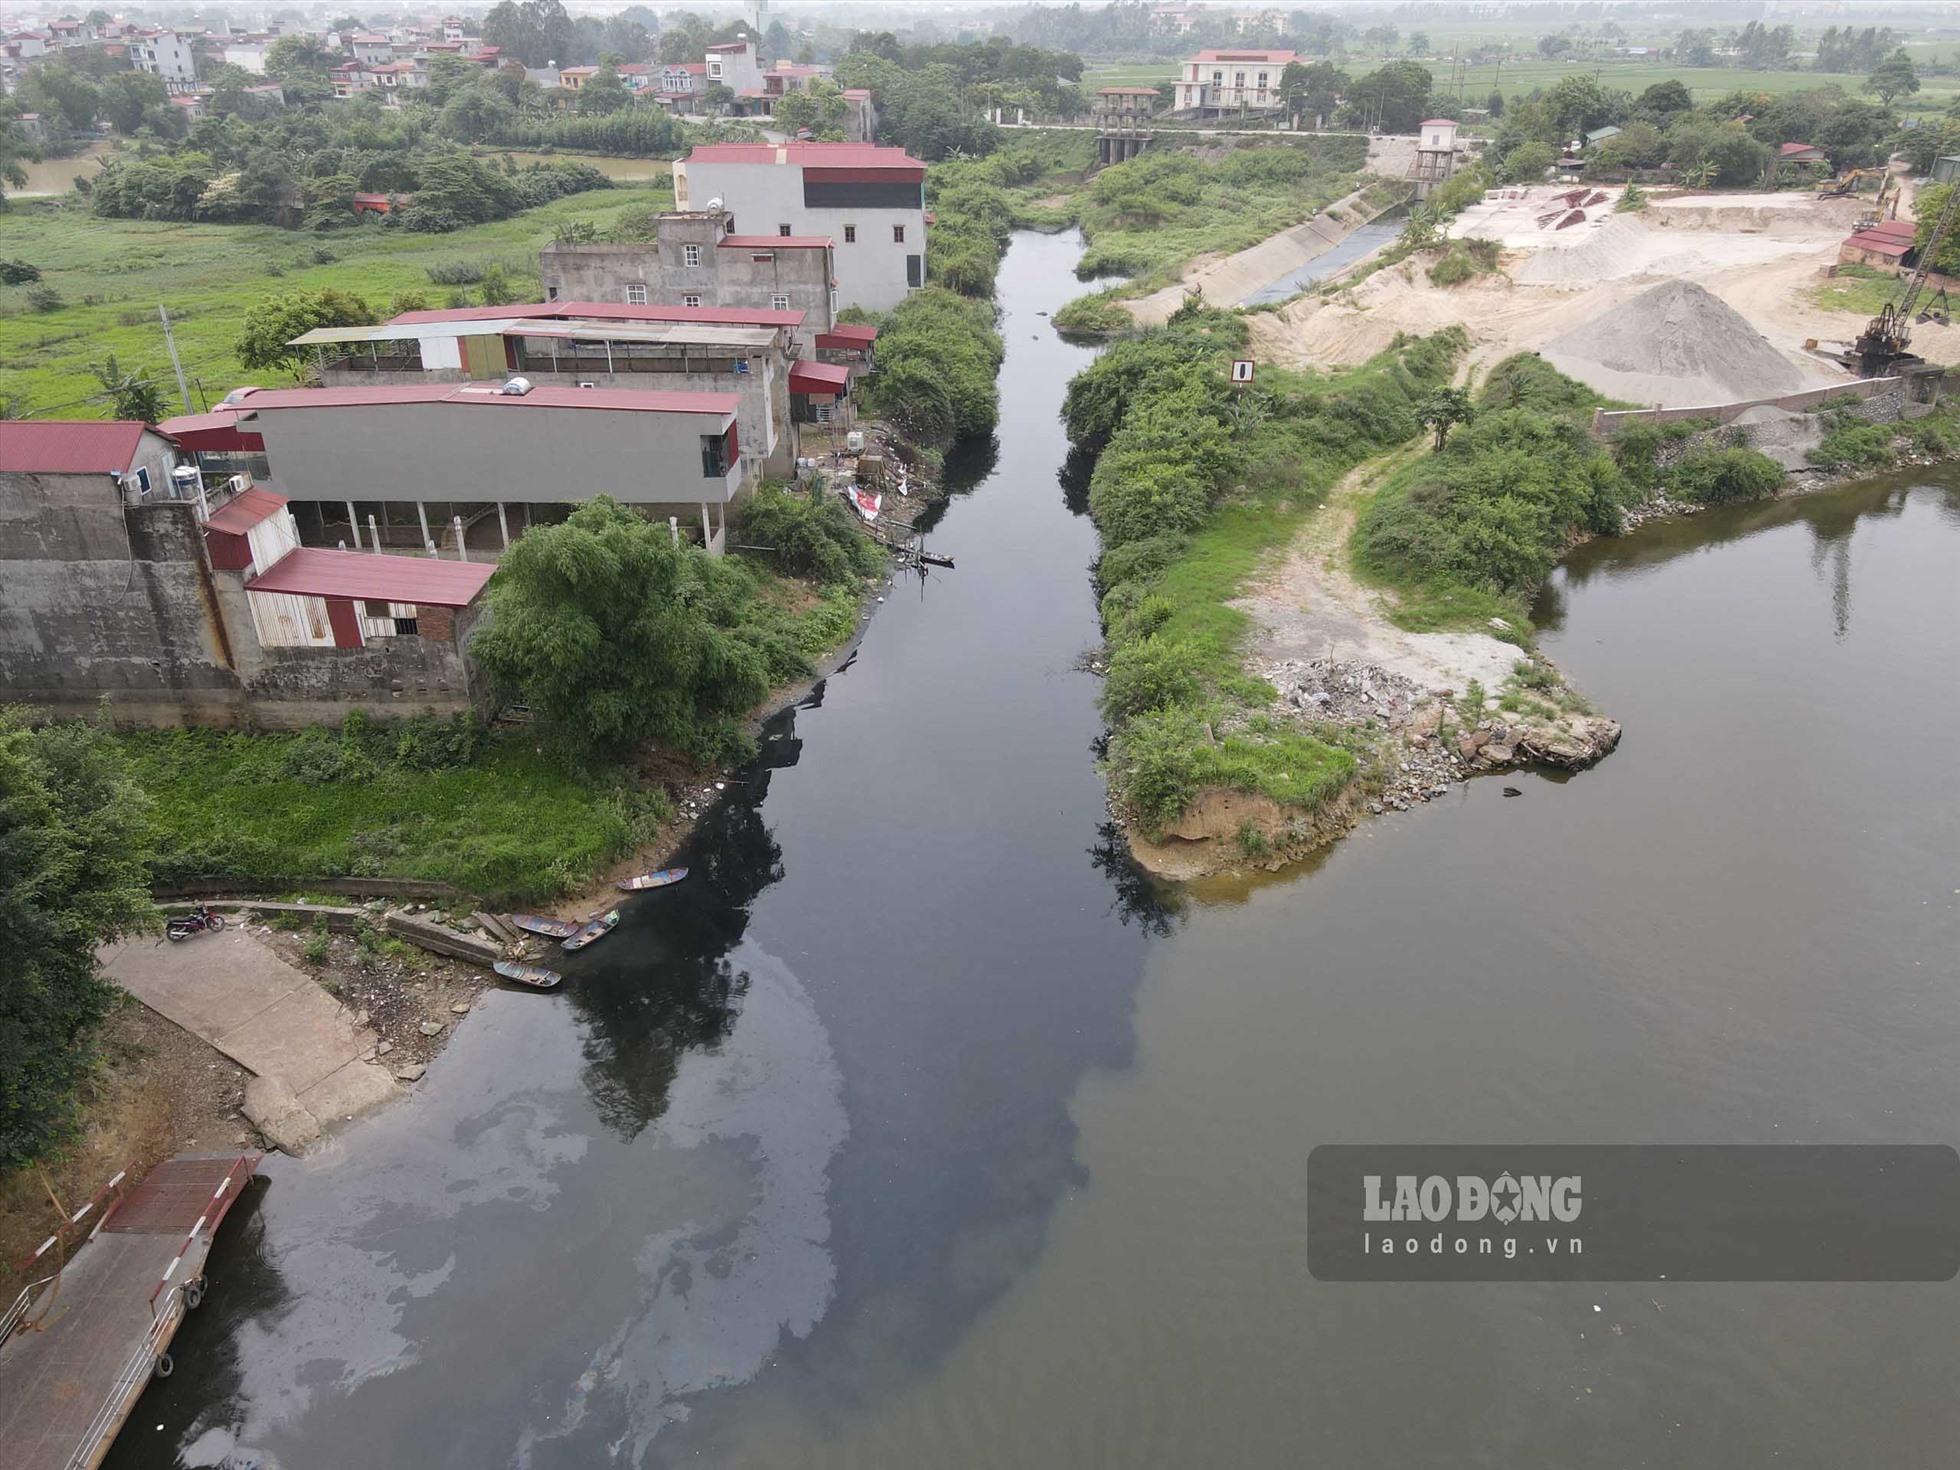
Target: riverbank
1393, 624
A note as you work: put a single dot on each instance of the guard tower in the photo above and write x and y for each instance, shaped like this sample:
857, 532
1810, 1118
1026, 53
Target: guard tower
1122, 116
1435, 155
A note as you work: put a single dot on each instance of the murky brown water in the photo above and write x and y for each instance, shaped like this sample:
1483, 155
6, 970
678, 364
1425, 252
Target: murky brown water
915, 1130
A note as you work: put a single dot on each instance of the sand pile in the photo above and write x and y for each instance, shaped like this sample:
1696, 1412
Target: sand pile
1675, 345
1629, 245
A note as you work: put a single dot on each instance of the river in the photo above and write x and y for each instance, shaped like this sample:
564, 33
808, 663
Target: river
917, 1129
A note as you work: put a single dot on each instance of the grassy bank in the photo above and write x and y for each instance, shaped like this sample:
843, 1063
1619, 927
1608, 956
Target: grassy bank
1194, 489
1147, 219
525, 813
110, 275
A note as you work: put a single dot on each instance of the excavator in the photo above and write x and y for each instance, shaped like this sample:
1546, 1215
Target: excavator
1886, 343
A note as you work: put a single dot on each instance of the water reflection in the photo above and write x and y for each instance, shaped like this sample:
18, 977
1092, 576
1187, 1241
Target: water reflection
1155, 908
1074, 477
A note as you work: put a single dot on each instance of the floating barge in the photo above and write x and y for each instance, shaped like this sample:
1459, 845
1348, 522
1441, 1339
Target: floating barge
79, 1344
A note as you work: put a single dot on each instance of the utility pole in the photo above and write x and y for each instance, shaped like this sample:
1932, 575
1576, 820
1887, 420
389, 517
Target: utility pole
170, 341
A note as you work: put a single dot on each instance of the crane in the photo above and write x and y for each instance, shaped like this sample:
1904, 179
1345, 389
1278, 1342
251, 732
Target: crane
1887, 339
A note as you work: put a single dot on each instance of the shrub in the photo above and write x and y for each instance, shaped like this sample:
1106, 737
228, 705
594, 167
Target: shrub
18, 273
1854, 445
43, 299
1151, 674
1099, 314
1714, 476
805, 537
938, 353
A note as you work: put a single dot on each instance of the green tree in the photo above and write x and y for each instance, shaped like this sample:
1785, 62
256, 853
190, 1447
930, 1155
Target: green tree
1695, 48
56, 90
1526, 163
271, 326
1313, 89
820, 108
1394, 98
535, 32
449, 75
1664, 99
1892, 77
133, 395
1442, 410
616, 635
475, 115
74, 838
13, 152
290, 56
132, 100
716, 97
603, 93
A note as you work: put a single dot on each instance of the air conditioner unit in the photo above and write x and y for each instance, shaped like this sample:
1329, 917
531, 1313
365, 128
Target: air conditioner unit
740, 366
588, 385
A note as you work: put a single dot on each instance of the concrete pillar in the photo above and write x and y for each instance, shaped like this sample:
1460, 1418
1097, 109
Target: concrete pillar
428, 543
707, 531
462, 551
354, 525
503, 524
674, 528
374, 536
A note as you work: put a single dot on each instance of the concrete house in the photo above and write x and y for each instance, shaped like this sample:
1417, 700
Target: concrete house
488, 455
1232, 81
735, 65
869, 200
695, 259
753, 355
165, 54
158, 598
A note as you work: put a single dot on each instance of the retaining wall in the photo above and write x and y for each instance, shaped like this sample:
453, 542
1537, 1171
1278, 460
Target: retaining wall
1605, 421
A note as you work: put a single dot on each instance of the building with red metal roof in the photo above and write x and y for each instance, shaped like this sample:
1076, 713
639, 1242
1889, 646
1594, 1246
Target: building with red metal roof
314, 571
68, 446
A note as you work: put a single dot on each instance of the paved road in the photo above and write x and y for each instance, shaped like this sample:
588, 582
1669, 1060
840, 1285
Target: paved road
261, 1012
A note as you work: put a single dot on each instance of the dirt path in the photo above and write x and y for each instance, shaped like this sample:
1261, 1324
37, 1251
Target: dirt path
1312, 606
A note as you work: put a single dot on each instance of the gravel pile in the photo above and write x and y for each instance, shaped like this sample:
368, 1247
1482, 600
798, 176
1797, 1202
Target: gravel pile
1782, 435
1676, 345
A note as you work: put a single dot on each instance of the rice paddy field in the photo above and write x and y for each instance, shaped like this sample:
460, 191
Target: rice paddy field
111, 275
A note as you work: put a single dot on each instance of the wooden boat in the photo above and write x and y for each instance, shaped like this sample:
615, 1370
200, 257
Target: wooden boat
597, 929
867, 503
550, 928
651, 880
536, 976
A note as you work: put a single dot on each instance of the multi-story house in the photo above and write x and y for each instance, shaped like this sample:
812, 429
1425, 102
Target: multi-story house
868, 200
163, 53
1232, 81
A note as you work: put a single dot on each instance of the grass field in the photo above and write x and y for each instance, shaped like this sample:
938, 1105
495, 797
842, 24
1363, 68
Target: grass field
113, 274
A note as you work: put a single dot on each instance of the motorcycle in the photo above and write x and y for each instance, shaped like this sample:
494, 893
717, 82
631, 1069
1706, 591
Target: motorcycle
196, 921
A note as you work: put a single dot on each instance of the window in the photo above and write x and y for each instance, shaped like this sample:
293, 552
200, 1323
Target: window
1262, 79
143, 479
850, 234
1238, 79
690, 255
779, 303
728, 225
719, 453
636, 295
782, 229
898, 234
550, 293
690, 300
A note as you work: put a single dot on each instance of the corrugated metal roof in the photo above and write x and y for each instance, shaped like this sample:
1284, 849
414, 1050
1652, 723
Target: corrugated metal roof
810, 155
314, 571
851, 332
245, 511
818, 377
604, 311
68, 446
548, 395
1879, 244
692, 334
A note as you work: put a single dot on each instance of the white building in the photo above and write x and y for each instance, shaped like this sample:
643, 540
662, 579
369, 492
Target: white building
375, 50
247, 54
735, 65
869, 200
165, 54
1230, 81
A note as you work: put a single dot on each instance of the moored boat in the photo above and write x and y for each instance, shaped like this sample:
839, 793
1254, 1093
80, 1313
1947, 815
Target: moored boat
661, 879
597, 929
550, 928
535, 976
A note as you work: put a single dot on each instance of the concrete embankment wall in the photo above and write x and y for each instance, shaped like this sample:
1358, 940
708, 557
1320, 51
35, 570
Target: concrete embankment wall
1605, 422
1229, 281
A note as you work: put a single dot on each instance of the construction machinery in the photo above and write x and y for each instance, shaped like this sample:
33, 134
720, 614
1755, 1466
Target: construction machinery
1846, 183
1886, 344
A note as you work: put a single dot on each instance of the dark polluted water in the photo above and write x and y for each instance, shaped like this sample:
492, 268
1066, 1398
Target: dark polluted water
913, 1130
